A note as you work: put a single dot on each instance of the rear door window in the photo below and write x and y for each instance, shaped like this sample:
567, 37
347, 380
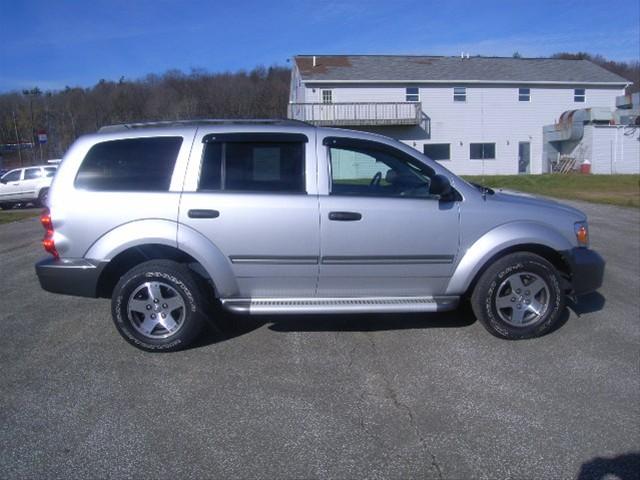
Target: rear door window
254, 166
270, 167
136, 164
32, 173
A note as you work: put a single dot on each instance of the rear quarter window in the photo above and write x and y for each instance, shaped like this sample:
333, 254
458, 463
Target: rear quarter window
135, 164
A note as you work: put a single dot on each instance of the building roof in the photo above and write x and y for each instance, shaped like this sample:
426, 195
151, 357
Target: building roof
408, 68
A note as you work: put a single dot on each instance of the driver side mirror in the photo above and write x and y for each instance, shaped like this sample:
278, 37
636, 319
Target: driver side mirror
440, 185
2, 180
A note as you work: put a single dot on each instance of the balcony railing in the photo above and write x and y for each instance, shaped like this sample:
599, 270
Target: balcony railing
360, 113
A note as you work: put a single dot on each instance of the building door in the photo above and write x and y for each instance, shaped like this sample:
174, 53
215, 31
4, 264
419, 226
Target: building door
524, 157
327, 112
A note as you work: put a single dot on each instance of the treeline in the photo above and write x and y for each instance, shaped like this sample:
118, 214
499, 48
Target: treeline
628, 70
69, 113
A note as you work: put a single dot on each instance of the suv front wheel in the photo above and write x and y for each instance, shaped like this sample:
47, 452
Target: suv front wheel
519, 296
157, 306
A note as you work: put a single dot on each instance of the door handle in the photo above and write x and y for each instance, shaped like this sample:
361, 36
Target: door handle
198, 213
345, 216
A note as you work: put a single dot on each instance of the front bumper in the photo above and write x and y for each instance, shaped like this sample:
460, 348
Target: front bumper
587, 270
75, 276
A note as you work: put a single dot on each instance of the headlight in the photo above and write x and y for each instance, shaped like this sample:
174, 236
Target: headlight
582, 233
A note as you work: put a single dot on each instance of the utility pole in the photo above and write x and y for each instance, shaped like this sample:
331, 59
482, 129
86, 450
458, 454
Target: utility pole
15, 126
34, 92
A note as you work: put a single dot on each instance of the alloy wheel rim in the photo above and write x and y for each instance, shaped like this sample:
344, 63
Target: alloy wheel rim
156, 310
522, 299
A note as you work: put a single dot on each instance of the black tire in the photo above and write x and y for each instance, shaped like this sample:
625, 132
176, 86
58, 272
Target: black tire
6, 206
490, 290
174, 279
42, 197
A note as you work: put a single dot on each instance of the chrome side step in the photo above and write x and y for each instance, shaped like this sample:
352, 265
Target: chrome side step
262, 306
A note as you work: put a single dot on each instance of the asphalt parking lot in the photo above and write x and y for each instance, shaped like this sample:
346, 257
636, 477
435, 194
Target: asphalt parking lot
384, 396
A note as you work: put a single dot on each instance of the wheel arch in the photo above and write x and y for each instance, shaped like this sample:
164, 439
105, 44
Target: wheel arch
509, 238
549, 254
151, 239
133, 256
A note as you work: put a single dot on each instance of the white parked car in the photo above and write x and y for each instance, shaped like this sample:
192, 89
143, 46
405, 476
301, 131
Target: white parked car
26, 185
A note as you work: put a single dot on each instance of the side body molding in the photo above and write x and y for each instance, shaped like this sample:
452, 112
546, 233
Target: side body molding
167, 232
498, 239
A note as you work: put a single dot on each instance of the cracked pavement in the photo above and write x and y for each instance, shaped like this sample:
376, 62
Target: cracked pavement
375, 396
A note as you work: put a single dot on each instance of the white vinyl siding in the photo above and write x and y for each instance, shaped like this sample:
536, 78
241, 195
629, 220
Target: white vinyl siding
490, 114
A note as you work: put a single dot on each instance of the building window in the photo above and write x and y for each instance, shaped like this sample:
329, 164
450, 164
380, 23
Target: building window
459, 94
412, 94
482, 151
438, 151
524, 94
327, 96
579, 95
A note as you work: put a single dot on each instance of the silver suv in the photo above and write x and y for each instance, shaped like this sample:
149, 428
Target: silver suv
175, 220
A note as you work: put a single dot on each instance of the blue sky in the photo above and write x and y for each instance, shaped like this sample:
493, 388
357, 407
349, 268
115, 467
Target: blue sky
51, 44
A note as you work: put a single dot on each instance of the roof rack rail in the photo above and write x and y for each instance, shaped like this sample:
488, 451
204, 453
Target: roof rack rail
209, 121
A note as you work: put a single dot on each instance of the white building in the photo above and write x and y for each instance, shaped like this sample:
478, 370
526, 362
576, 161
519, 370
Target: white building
477, 115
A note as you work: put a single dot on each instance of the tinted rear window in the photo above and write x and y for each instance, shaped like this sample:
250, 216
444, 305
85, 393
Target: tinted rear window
276, 167
138, 164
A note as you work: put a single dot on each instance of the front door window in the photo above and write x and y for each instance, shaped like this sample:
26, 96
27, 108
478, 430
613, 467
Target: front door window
368, 171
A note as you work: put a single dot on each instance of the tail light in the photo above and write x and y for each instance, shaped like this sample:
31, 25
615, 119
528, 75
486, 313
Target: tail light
47, 242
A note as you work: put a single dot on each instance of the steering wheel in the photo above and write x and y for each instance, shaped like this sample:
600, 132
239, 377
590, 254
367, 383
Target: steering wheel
375, 181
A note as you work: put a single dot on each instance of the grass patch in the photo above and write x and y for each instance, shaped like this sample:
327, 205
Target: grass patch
8, 217
622, 190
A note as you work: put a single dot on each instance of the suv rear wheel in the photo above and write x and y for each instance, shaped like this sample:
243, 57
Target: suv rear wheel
158, 306
519, 296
